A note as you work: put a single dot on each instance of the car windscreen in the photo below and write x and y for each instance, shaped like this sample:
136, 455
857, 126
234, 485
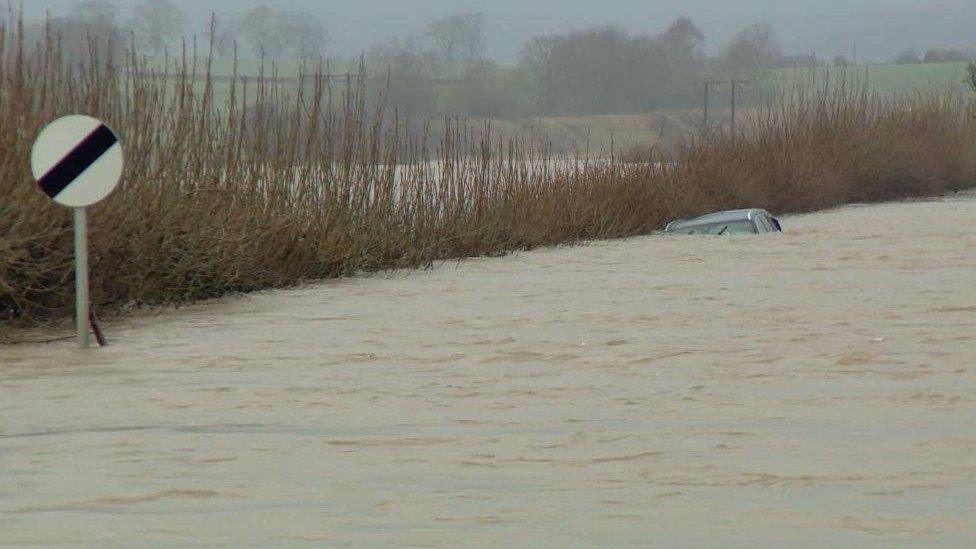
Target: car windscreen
722, 228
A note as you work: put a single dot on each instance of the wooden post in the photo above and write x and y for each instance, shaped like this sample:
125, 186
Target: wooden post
97, 330
705, 119
732, 124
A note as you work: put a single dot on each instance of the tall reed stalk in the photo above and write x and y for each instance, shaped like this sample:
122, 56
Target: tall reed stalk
265, 184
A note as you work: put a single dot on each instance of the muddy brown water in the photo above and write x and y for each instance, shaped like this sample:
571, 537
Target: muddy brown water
815, 389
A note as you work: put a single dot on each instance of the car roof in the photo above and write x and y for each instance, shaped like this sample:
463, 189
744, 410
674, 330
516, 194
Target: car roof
720, 217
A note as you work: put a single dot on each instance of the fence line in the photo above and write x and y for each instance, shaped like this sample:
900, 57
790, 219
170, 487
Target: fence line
295, 80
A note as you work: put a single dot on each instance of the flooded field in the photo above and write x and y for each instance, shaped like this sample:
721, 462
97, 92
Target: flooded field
816, 389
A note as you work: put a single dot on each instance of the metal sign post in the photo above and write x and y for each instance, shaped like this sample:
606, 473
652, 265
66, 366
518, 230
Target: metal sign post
77, 161
81, 275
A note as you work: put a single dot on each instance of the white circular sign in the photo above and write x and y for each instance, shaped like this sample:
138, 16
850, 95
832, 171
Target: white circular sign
77, 160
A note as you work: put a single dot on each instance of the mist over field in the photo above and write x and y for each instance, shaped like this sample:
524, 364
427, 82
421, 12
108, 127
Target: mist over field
827, 27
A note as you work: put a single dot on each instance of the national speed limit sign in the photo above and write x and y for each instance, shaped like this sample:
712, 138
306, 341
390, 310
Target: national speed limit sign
77, 161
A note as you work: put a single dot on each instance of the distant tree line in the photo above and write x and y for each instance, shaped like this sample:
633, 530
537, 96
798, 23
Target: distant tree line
603, 69
911, 56
607, 70
445, 68
159, 25
270, 33
154, 25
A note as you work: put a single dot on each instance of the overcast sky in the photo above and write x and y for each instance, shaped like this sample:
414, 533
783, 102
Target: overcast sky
827, 27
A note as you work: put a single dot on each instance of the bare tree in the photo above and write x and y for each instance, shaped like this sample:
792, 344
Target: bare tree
597, 70
537, 59
608, 70
459, 38
88, 31
95, 13
157, 22
908, 57
407, 68
82, 40
275, 33
223, 32
261, 32
683, 48
754, 47
945, 55
683, 45
306, 36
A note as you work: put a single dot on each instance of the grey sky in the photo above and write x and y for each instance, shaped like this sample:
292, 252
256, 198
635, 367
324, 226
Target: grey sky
828, 27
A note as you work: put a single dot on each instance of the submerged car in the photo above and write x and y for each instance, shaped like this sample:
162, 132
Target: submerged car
733, 222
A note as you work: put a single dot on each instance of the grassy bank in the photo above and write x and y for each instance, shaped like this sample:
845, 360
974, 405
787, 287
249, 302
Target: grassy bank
276, 185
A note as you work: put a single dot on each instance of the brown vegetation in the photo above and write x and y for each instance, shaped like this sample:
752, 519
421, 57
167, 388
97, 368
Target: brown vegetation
281, 184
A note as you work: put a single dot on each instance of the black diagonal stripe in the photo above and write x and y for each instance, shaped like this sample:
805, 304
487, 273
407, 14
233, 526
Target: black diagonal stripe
77, 161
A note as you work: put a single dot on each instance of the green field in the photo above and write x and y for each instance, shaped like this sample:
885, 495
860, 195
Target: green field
881, 78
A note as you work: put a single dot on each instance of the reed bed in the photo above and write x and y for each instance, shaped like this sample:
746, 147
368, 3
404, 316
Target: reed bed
279, 184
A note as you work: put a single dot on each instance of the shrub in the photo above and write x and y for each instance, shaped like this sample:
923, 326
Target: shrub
946, 55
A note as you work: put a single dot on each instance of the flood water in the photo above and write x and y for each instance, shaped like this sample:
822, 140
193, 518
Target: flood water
816, 389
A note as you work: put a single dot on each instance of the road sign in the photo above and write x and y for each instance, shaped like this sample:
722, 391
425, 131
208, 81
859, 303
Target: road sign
77, 161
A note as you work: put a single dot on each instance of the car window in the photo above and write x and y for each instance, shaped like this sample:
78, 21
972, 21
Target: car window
765, 224
727, 228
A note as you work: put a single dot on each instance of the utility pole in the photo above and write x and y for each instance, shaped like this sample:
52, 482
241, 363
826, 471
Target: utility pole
732, 124
735, 84
705, 121
706, 130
